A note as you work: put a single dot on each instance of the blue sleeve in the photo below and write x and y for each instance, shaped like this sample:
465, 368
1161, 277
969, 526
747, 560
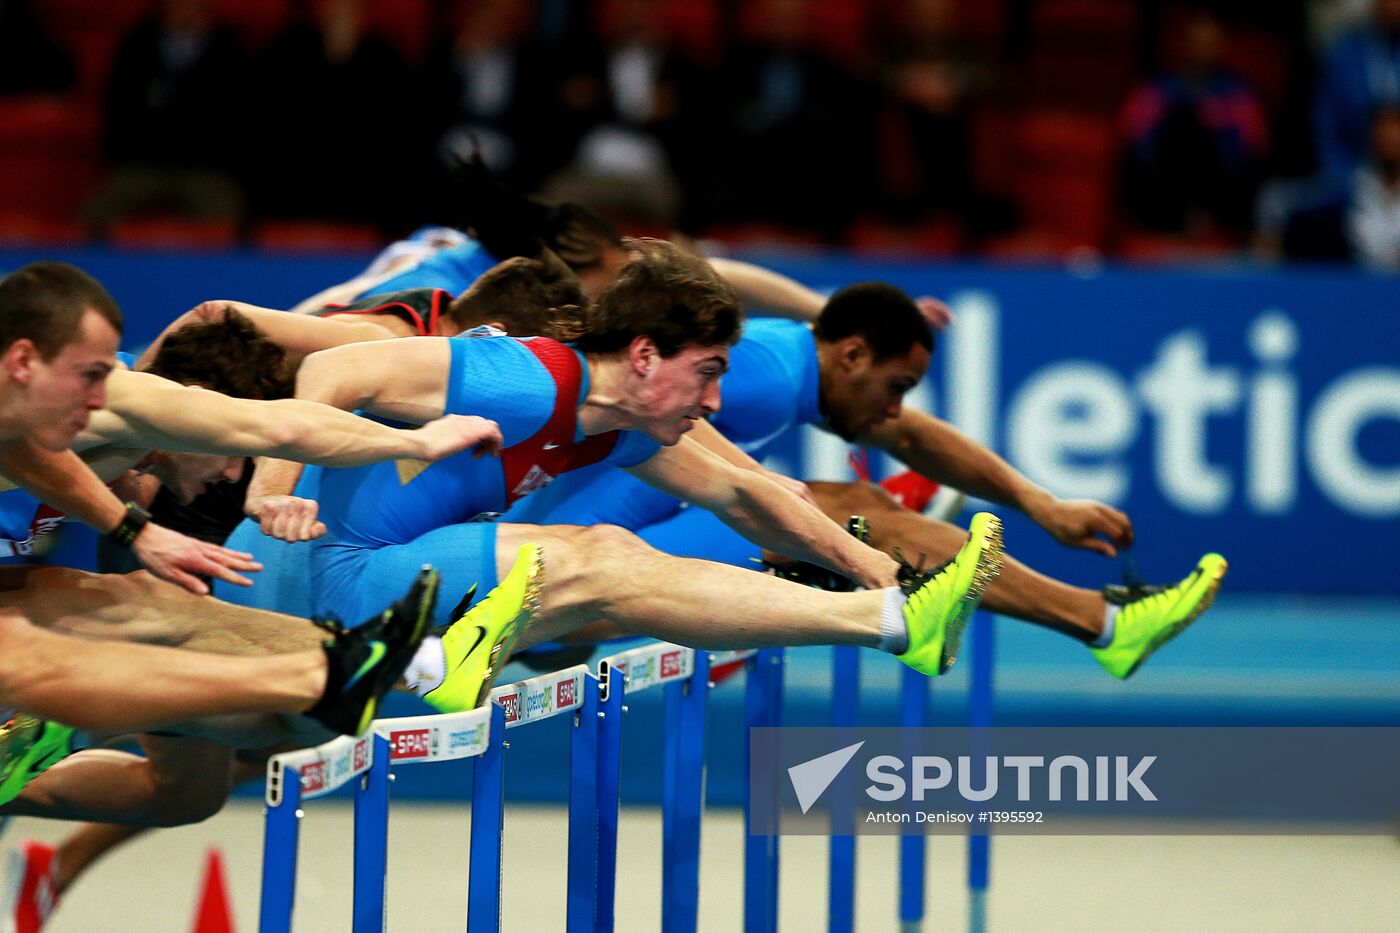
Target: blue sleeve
497, 378
762, 394
632, 448
453, 269
17, 509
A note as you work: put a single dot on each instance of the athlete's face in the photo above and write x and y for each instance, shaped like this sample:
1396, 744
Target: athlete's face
59, 394
677, 391
188, 475
859, 391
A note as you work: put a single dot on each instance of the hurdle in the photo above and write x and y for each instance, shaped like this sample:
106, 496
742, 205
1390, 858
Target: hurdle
597, 703
594, 796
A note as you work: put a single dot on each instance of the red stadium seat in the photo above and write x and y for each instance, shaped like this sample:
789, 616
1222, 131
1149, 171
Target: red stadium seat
942, 237
48, 163
256, 21
1058, 165
173, 233
20, 230
405, 23
1064, 141
695, 26
763, 236
315, 236
1155, 248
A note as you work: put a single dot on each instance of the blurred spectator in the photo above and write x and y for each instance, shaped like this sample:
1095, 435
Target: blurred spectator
934, 78
483, 82
642, 96
1373, 216
1196, 141
31, 62
172, 120
336, 108
1361, 73
802, 146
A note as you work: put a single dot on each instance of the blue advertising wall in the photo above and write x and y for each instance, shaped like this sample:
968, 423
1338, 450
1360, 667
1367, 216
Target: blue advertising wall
1256, 413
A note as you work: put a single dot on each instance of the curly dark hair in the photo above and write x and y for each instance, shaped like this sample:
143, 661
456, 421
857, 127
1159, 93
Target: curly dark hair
228, 356
885, 316
665, 293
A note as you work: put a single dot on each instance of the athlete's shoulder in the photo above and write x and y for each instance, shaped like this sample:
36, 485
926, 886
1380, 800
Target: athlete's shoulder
776, 333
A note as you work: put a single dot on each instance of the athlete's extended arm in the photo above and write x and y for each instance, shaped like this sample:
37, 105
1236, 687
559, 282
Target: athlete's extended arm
63, 481
708, 436
773, 292
297, 334
777, 295
940, 451
145, 411
404, 379
763, 511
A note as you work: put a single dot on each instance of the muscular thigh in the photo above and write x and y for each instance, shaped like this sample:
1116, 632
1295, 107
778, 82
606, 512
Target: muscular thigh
126, 607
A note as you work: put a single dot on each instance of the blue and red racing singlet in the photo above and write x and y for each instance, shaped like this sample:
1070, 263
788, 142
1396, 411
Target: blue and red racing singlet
532, 388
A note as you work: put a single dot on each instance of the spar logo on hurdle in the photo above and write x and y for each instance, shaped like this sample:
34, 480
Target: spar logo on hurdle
412, 743
313, 777
510, 702
566, 694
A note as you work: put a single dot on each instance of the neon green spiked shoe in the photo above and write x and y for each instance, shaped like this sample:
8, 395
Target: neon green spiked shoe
28, 747
937, 611
1153, 615
479, 644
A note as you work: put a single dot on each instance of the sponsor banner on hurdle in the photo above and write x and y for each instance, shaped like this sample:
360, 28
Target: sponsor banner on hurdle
322, 769
650, 666
542, 697
422, 739
732, 656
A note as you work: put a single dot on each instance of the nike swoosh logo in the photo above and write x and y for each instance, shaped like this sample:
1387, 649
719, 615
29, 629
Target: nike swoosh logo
480, 636
550, 446
376, 654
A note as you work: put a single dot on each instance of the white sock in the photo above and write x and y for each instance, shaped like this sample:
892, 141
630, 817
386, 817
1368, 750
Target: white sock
428, 668
1110, 615
894, 633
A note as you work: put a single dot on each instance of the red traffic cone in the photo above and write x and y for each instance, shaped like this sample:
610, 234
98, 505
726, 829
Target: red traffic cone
213, 914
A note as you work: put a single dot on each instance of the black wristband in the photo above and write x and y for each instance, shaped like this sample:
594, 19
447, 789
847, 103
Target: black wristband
130, 526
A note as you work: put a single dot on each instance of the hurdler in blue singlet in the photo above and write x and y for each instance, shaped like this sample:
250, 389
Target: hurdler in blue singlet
386, 520
769, 389
452, 269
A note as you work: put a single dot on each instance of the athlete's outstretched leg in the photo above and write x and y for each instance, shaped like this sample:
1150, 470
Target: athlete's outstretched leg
1018, 591
115, 687
604, 572
137, 607
181, 780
